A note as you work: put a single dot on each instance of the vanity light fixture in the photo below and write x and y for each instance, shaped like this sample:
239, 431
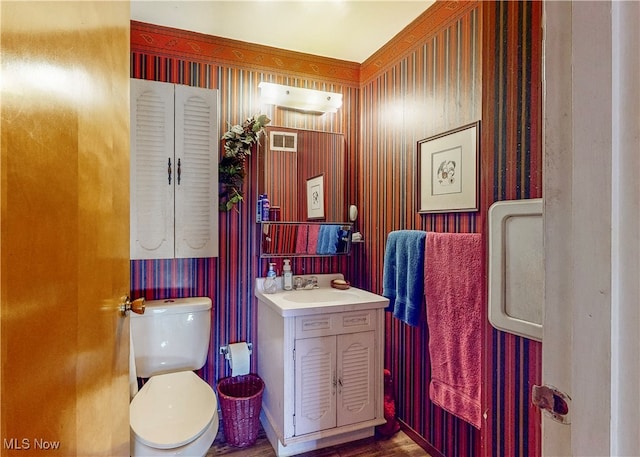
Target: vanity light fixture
299, 98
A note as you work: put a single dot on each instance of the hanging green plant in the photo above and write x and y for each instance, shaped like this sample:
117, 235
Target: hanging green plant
238, 142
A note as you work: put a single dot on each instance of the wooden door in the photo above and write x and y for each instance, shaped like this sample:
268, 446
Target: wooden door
65, 228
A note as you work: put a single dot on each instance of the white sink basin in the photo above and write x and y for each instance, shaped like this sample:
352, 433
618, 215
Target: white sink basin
289, 303
320, 296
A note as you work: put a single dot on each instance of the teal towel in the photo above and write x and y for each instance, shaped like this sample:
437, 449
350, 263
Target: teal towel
403, 274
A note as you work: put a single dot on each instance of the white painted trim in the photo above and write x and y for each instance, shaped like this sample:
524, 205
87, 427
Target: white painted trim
625, 265
588, 207
558, 158
591, 228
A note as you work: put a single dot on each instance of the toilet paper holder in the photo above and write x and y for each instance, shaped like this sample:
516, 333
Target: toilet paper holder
224, 350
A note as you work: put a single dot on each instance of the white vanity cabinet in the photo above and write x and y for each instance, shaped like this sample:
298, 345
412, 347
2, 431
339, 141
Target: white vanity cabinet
322, 368
174, 171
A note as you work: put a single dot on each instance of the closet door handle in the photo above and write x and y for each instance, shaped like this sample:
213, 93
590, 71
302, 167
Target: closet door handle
169, 169
179, 171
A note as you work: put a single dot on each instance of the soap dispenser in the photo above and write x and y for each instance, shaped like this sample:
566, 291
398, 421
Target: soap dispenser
269, 285
287, 275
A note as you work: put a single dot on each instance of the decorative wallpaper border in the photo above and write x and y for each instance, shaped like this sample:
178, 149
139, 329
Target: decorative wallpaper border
186, 45
198, 47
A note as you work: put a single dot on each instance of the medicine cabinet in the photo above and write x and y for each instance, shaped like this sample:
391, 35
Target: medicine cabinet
174, 173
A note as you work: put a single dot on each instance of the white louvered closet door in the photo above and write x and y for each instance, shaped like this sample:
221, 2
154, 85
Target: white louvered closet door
174, 174
315, 386
355, 367
152, 155
196, 183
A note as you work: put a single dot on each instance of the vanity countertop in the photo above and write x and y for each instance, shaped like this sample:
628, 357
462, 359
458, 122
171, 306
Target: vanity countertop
324, 299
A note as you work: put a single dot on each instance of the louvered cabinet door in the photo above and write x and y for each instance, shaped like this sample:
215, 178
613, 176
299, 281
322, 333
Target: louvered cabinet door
356, 378
174, 174
152, 169
315, 402
196, 183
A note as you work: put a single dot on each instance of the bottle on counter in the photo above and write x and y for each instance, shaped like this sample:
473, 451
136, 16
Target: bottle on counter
287, 275
269, 285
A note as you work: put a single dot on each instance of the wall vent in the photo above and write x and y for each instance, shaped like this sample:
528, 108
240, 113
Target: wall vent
284, 141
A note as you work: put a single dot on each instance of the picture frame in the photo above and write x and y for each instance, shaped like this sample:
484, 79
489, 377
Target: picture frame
448, 171
315, 197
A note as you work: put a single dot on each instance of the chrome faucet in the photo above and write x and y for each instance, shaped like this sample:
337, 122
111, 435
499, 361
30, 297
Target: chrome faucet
300, 283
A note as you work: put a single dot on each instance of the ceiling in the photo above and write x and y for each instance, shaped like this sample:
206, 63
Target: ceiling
349, 30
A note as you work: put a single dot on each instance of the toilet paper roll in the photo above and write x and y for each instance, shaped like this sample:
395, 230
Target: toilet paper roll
239, 358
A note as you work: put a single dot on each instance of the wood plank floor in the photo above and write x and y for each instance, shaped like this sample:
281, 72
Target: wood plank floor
398, 445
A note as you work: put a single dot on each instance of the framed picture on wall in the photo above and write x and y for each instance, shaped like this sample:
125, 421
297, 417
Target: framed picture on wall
448, 168
315, 197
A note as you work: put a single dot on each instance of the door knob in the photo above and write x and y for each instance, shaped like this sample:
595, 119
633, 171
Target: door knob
137, 305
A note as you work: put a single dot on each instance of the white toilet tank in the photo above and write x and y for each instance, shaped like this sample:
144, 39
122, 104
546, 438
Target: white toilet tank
172, 335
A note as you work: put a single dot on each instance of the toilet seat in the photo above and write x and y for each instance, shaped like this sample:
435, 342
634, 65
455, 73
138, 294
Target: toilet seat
172, 410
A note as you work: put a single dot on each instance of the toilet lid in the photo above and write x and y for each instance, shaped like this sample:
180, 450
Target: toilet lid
172, 409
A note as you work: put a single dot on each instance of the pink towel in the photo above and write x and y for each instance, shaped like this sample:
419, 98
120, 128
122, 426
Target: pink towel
312, 243
453, 285
301, 239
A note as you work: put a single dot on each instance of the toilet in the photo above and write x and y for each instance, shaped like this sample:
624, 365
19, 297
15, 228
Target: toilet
175, 412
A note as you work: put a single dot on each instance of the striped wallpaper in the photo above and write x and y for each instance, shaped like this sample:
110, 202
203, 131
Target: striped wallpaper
434, 87
438, 86
511, 169
459, 62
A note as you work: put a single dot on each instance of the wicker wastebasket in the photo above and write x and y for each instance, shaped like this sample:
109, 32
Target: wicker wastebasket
240, 400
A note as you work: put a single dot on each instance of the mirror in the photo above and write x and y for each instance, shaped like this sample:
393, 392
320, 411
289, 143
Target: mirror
303, 173
304, 239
